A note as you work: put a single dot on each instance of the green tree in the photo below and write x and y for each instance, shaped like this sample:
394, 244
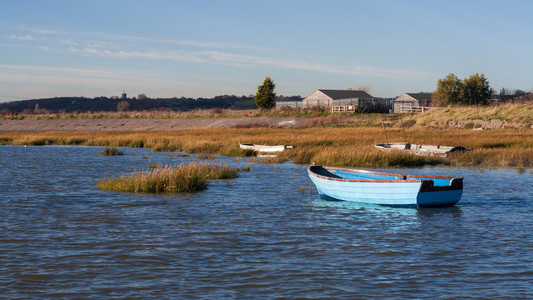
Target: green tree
265, 94
449, 91
476, 90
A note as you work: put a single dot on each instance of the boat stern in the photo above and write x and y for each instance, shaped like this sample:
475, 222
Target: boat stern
431, 195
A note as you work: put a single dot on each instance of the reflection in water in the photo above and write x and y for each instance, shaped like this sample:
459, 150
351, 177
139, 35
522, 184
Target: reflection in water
455, 212
258, 237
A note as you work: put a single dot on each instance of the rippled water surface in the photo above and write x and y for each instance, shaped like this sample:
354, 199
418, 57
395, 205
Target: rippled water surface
258, 236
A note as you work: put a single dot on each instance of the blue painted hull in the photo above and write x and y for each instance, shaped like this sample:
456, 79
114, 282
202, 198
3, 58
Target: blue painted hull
386, 189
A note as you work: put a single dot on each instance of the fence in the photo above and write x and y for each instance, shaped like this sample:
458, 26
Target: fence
412, 109
289, 104
343, 108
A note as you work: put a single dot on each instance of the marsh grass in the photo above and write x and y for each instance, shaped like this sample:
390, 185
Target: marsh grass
182, 178
351, 147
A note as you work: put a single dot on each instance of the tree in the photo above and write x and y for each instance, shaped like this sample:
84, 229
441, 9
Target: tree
265, 94
473, 90
476, 90
448, 91
365, 88
123, 106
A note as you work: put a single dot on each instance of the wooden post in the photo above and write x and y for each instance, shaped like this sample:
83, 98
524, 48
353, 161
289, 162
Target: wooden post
404, 138
386, 137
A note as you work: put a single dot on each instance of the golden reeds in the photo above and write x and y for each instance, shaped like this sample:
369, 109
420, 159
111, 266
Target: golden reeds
341, 146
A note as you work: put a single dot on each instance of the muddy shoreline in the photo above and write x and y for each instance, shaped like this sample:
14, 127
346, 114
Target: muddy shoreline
148, 124
133, 124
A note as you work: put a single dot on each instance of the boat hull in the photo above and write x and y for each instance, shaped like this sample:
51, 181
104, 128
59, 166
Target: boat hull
385, 189
263, 148
420, 149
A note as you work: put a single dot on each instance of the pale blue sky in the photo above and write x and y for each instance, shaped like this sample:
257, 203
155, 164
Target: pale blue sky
205, 48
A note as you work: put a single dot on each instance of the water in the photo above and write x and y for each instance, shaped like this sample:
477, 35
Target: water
257, 236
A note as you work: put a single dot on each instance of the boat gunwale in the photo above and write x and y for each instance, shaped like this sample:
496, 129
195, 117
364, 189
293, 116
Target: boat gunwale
262, 146
265, 146
309, 169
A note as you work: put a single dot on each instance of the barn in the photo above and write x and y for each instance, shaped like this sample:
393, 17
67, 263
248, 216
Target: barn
412, 102
330, 98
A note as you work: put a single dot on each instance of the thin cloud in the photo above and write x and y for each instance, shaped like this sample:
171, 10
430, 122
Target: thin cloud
239, 60
21, 38
12, 70
192, 43
114, 37
110, 47
43, 31
23, 28
181, 56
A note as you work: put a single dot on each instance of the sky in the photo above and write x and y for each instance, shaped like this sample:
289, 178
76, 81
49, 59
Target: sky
205, 48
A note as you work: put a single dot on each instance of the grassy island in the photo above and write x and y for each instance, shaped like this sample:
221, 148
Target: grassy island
183, 178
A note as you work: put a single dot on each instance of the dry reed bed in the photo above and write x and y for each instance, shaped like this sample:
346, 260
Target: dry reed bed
518, 113
329, 146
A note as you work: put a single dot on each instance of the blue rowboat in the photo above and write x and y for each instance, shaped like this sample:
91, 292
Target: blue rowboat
386, 189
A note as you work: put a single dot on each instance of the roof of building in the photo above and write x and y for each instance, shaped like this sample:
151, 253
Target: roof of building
421, 96
345, 94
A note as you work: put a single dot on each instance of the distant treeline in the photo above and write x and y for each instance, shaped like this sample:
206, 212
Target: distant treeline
113, 104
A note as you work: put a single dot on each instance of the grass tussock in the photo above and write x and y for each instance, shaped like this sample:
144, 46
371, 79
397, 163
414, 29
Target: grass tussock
183, 178
111, 151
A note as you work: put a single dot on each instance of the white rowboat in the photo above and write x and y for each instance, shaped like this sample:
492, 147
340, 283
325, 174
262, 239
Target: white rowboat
264, 148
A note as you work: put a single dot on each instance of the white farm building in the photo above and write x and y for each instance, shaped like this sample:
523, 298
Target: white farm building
412, 102
338, 101
330, 98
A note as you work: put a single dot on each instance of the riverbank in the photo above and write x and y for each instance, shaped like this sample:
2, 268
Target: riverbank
141, 124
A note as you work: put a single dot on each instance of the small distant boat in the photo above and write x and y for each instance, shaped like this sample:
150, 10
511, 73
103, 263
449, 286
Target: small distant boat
386, 189
264, 148
420, 149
